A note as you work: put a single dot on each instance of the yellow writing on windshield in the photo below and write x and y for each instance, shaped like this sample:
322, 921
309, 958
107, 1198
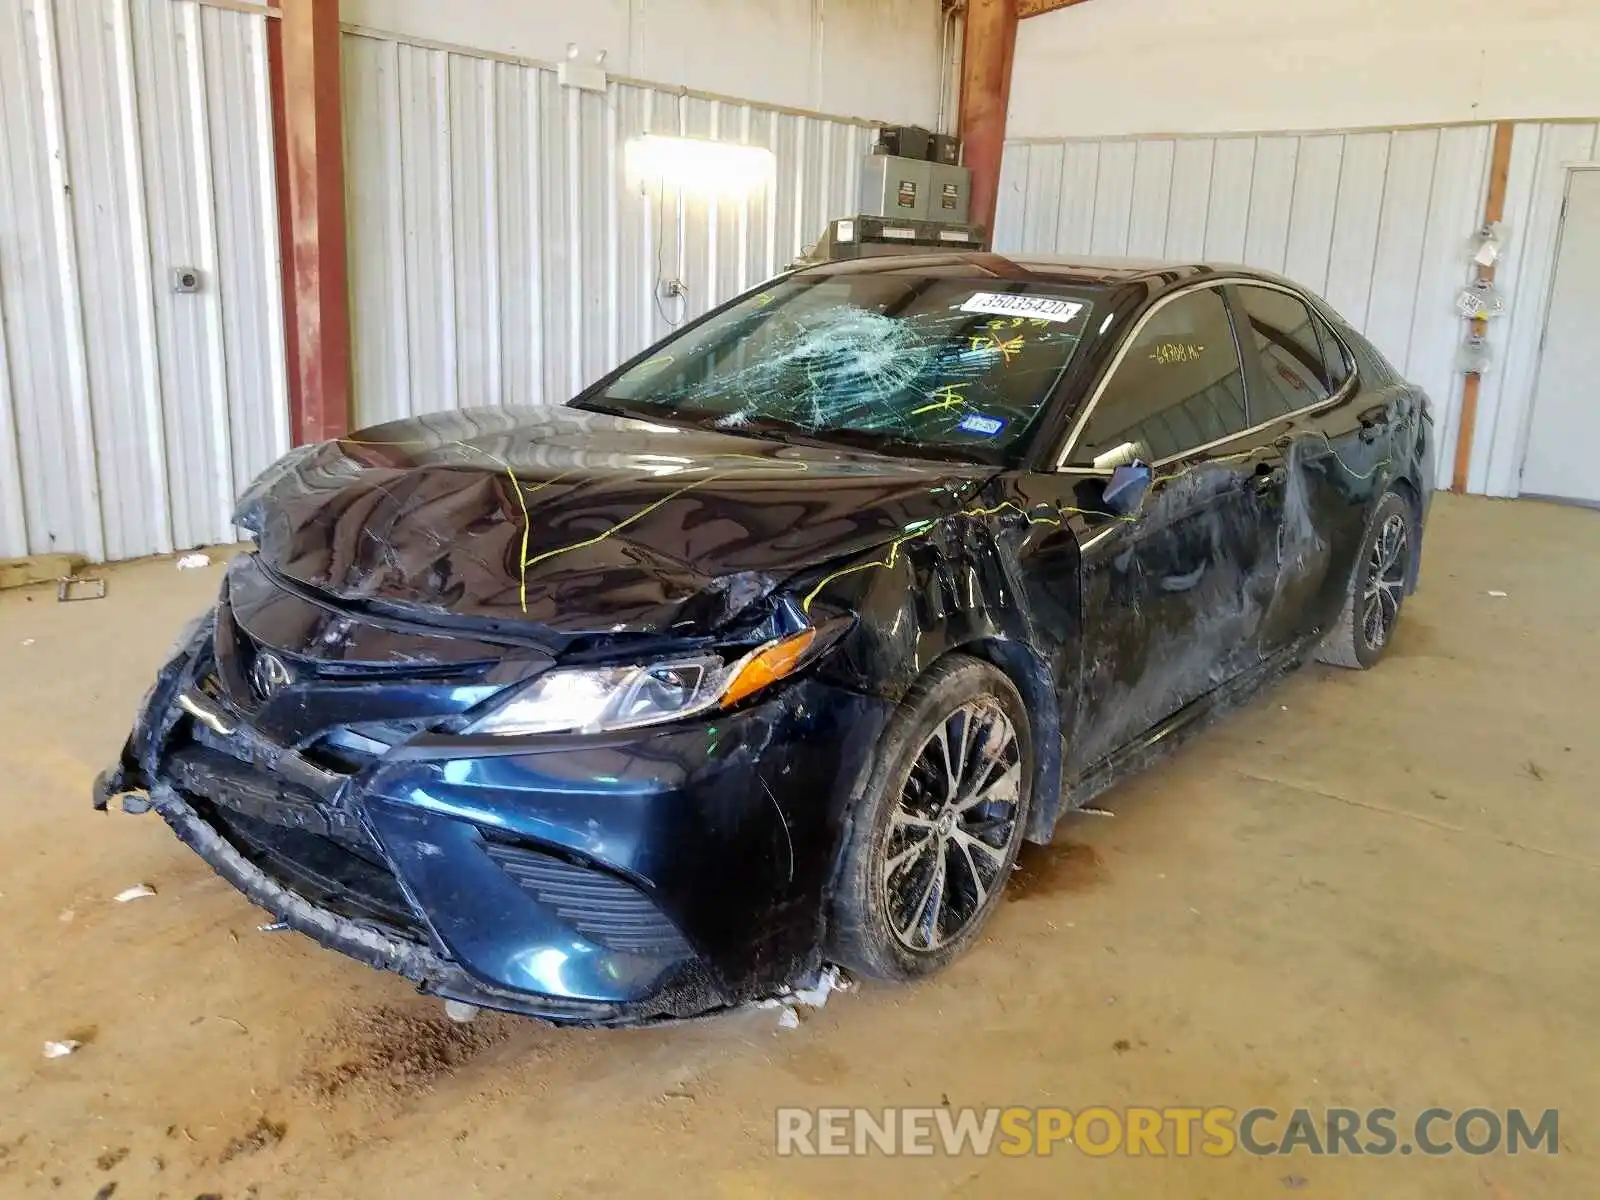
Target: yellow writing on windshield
951, 395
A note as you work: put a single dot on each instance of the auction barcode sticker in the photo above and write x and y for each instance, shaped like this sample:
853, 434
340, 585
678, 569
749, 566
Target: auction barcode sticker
1045, 308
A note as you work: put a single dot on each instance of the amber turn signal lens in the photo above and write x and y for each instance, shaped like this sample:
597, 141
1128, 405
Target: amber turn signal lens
768, 665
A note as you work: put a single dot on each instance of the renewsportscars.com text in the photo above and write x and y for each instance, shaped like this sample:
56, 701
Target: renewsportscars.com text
1178, 1131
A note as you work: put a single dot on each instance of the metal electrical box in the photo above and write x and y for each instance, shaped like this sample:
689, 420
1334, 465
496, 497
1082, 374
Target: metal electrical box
911, 189
896, 187
949, 193
906, 141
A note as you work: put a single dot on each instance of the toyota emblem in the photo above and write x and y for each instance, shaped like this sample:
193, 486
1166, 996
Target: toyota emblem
270, 675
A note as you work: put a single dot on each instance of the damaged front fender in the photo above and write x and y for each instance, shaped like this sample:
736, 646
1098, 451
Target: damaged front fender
997, 580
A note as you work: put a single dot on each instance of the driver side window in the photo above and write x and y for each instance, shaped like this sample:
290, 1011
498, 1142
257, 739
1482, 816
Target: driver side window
1179, 386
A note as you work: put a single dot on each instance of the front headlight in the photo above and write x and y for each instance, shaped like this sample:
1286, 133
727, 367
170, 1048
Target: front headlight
597, 699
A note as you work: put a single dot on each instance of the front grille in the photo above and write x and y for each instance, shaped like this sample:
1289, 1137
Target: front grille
606, 910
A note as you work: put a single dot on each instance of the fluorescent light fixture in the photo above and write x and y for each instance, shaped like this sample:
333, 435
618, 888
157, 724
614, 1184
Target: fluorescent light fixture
698, 165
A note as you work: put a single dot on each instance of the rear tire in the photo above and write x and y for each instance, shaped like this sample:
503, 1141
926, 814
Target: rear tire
934, 837
1377, 589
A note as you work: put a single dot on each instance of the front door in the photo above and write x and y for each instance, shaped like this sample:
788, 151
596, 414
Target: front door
1566, 412
1174, 593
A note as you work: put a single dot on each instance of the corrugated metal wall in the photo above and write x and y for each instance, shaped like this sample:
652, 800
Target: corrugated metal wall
1378, 223
497, 253
1536, 186
135, 136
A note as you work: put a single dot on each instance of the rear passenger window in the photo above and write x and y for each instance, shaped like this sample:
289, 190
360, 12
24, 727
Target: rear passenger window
1179, 385
1285, 335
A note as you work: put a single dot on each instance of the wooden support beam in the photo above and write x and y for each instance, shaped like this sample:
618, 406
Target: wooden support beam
280, 167
1494, 208
1034, 8
317, 297
987, 51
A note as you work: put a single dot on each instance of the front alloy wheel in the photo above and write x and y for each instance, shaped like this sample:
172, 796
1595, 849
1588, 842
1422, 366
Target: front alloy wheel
935, 834
953, 827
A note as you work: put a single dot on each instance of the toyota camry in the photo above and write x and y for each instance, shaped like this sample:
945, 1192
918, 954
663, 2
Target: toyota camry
769, 649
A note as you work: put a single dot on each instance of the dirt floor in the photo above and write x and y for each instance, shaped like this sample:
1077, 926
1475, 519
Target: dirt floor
1365, 890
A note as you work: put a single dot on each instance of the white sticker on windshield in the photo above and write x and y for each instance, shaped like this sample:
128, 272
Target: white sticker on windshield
1041, 308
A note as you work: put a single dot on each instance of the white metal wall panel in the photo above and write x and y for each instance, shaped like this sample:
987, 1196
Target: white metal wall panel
1378, 223
1189, 203
238, 111
1269, 203
1541, 156
134, 137
1358, 213
1233, 164
1152, 192
498, 254
1044, 210
1313, 206
1455, 203
1113, 198
47, 423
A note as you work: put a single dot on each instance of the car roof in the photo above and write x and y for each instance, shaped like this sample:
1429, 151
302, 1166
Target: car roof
1082, 270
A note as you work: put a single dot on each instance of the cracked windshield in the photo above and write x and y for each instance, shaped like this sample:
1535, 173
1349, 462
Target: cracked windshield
959, 367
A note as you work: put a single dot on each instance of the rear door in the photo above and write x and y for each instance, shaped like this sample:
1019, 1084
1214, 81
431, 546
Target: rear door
1312, 497
1173, 595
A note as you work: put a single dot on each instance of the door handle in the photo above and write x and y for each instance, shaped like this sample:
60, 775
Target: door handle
1373, 423
1269, 479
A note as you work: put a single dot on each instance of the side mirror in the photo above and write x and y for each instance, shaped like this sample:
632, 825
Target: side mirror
1126, 488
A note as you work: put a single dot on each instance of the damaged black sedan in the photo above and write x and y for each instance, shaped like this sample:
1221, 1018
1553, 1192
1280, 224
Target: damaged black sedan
770, 648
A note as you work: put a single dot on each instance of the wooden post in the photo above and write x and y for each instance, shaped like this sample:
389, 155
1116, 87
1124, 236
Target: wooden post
318, 300
1037, 8
1494, 208
280, 168
987, 51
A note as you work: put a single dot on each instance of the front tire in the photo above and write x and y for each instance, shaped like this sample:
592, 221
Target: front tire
1377, 588
934, 837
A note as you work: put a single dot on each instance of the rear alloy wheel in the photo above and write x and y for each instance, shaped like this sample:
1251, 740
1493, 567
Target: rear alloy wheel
1377, 589
935, 837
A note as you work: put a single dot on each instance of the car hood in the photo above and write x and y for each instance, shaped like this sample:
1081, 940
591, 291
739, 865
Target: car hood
578, 522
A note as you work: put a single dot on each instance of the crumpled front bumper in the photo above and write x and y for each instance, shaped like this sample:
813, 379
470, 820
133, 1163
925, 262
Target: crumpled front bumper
599, 880
415, 960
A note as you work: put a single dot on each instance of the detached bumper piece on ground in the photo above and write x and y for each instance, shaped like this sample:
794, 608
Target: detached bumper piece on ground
772, 647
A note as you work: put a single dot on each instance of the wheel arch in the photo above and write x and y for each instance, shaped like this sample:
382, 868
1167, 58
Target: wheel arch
1404, 486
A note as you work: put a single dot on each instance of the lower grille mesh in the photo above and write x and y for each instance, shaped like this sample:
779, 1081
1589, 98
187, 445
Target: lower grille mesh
319, 870
602, 907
